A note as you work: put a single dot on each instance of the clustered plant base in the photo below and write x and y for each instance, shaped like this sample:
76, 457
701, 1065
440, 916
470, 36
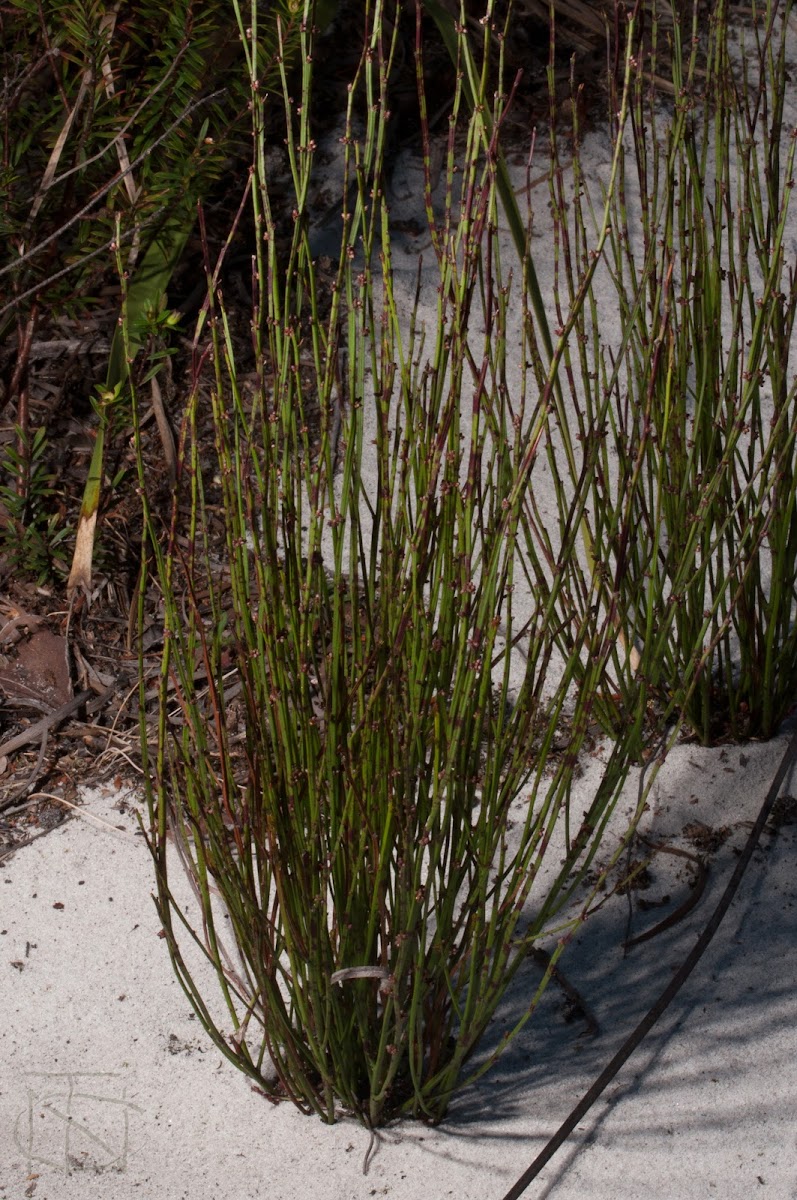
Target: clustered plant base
360, 706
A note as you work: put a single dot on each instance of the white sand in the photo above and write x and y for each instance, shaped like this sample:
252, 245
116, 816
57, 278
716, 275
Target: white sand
108, 1086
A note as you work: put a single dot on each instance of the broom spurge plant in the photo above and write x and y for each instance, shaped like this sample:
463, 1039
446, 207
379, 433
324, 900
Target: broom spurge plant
703, 413
361, 710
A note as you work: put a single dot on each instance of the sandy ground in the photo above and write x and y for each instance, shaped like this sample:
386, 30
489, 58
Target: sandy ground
109, 1088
